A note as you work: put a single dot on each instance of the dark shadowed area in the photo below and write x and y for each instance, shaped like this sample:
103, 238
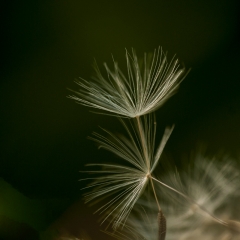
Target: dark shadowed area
44, 145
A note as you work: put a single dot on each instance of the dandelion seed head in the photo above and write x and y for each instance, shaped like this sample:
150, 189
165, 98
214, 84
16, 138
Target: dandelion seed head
141, 91
125, 183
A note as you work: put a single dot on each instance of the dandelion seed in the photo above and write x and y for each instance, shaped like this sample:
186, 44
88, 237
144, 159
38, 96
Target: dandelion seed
141, 92
161, 226
126, 182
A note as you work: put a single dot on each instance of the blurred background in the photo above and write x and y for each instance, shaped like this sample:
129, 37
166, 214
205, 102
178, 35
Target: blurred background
48, 44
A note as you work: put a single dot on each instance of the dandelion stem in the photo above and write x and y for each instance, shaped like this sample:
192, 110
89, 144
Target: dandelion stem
154, 192
144, 146
143, 143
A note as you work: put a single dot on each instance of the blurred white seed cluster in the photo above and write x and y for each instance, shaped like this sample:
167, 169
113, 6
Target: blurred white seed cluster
212, 190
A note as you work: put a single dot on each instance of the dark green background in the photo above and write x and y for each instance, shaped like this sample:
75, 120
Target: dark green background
47, 44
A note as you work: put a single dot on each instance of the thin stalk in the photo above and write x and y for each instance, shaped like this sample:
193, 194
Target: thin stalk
154, 192
144, 146
143, 142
